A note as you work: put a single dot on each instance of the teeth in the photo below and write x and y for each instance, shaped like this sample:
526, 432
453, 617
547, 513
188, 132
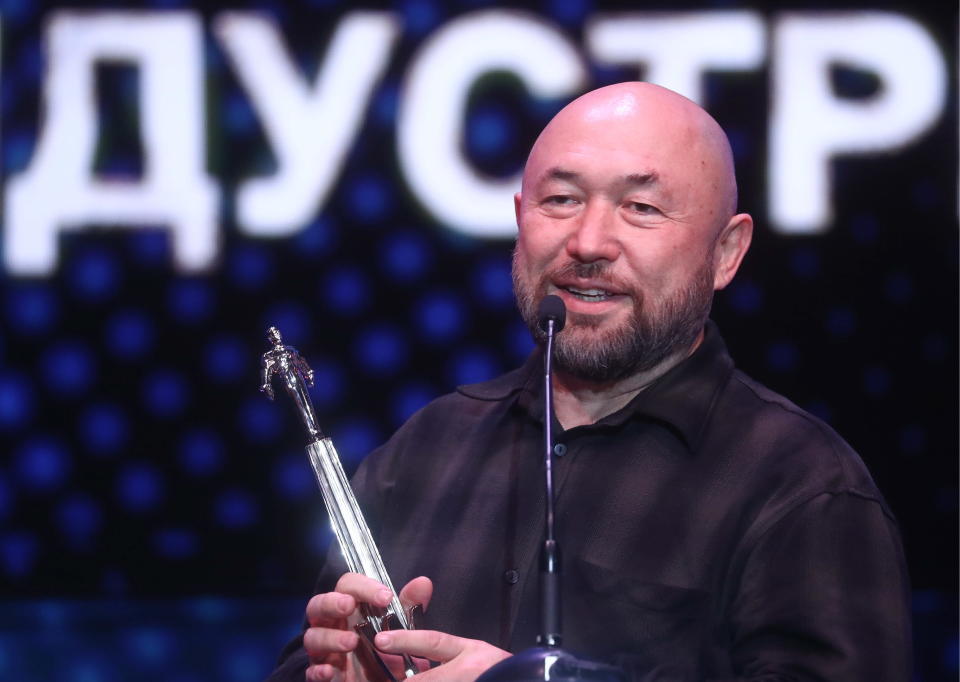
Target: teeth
589, 294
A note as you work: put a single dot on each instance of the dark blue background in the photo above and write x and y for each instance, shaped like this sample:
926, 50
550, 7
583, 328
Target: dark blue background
158, 518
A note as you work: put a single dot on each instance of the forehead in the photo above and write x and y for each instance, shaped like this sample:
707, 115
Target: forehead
622, 144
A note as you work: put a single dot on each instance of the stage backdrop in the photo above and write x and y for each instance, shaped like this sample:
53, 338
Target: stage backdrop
176, 179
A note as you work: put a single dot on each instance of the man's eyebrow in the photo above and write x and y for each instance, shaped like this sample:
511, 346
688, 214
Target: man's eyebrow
631, 180
648, 178
557, 173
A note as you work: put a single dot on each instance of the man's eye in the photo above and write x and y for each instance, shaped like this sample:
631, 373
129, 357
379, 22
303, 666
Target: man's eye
560, 200
643, 209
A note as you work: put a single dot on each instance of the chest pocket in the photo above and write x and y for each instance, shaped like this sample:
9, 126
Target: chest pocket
656, 631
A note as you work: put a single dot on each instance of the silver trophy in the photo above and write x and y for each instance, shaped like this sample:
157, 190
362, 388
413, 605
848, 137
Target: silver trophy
353, 534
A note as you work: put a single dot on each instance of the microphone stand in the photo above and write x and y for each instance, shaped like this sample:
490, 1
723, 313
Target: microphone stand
548, 661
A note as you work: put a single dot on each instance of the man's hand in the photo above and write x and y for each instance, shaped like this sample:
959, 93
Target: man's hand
330, 641
463, 659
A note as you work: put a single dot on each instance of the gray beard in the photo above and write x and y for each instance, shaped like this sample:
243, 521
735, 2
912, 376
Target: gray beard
652, 333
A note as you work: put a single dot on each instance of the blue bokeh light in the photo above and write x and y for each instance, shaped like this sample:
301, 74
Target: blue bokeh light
250, 268
16, 400
201, 452
130, 334
226, 358
318, 238
570, 12
150, 248
292, 477
18, 147
42, 464
140, 487
79, 517
93, 274
68, 368
406, 256
409, 399
519, 341
328, 383
381, 349
104, 428
18, 552
440, 316
238, 115
492, 283
259, 419
419, 16
355, 438
491, 132
293, 321
190, 300
165, 393
236, 509
385, 104
6, 497
31, 308
346, 290
369, 197
473, 365
175, 543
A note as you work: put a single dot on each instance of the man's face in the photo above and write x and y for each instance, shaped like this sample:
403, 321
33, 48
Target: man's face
620, 221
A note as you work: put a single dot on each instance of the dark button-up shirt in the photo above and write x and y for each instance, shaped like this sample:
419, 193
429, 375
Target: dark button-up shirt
710, 530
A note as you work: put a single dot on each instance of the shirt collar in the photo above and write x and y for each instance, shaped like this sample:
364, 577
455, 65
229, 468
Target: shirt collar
681, 399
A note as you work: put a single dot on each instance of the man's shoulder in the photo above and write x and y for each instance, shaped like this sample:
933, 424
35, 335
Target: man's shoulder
784, 437
476, 399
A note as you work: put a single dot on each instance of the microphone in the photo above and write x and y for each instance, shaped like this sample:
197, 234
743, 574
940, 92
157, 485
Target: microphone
548, 661
551, 308
552, 314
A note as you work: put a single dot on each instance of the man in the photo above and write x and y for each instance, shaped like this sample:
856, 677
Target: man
711, 529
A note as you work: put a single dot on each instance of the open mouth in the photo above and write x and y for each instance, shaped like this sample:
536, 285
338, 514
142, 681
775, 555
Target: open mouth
592, 295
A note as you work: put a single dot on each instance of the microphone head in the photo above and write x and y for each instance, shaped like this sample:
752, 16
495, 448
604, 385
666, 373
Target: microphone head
552, 308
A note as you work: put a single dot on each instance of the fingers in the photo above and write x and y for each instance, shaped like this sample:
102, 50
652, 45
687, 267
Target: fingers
332, 608
437, 646
417, 591
323, 673
320, 642
364, 589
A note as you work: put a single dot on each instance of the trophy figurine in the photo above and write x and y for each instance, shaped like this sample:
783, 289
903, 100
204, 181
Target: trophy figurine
353, 534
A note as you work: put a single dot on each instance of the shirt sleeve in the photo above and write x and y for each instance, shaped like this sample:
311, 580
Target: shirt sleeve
824, 595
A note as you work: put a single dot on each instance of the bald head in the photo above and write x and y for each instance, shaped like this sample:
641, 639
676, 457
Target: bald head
664, 130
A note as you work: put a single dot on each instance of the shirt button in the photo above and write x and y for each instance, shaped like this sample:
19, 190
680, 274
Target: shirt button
560, 449
511, 577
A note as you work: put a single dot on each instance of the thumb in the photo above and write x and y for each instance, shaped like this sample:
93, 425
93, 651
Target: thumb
417, 591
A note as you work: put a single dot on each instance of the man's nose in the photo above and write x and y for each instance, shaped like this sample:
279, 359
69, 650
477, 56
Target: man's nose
594, 236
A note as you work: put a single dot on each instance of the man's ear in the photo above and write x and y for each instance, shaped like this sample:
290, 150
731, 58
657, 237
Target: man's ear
730, 248
516, 207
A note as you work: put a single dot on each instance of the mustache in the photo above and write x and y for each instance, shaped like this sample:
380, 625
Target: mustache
599, 271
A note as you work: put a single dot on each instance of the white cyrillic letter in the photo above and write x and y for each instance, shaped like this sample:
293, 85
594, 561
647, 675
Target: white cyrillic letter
810, 124
310, 127
676, 49
58, 190
432, 110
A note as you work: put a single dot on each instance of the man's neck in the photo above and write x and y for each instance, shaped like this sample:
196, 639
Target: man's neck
578, 402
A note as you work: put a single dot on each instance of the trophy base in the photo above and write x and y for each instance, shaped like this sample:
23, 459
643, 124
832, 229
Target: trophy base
555, 665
